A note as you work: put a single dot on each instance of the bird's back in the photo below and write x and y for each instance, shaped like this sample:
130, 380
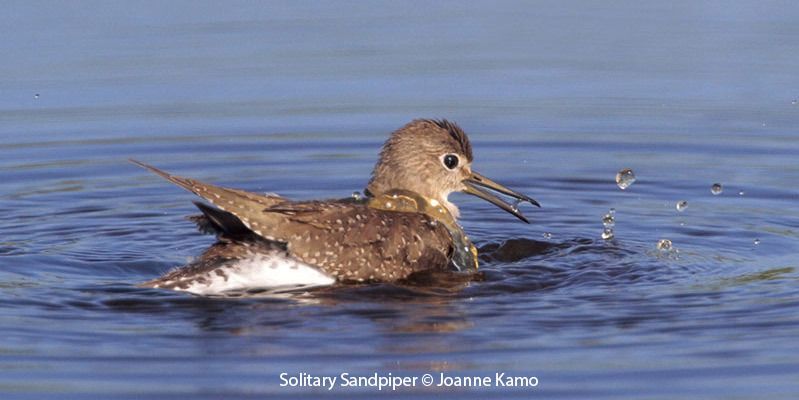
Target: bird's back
354, 242
345, 239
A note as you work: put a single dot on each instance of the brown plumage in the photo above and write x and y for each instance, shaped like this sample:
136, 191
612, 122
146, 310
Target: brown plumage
347, 240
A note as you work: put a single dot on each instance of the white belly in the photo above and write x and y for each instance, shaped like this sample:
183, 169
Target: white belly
272, 271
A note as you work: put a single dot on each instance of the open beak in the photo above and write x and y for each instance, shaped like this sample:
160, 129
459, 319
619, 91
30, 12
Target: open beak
475, 184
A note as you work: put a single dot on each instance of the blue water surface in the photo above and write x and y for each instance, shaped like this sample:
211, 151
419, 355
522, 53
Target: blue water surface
297, 97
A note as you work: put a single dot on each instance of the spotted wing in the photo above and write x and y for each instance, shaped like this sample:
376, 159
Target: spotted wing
244, 205
353, 242
347, 240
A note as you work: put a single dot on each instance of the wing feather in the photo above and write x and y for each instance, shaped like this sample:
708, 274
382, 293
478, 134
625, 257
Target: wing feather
347, 240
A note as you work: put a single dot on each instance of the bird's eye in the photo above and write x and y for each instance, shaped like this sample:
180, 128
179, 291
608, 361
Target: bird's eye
451, 161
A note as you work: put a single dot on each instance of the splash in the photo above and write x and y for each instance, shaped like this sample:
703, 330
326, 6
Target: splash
625, 178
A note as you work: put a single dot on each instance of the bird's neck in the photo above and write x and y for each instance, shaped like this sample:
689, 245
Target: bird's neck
451, 207
409, 201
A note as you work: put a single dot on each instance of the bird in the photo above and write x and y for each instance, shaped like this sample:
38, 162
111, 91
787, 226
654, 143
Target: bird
403, 224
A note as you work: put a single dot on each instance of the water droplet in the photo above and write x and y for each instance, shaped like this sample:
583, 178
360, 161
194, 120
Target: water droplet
609, 220
515, 206
36, 96
625, 178
764, 124
433, 223
607, 233
794, 102
612, 211
547, 235
681, 205
716, 189
357, 195
757, 242
389, 205
664, 245
741, 193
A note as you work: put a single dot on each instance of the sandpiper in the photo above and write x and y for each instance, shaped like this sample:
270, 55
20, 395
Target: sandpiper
404, 224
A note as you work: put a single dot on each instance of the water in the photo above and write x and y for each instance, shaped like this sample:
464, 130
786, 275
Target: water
665, 245
297, 98
608, 220
625, 178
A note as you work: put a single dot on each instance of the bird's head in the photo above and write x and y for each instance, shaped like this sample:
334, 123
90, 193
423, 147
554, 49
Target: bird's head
433, 158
